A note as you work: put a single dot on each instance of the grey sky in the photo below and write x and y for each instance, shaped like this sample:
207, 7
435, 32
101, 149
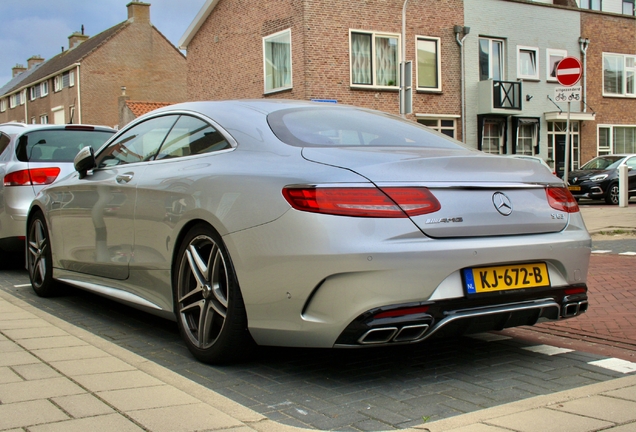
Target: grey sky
42, 27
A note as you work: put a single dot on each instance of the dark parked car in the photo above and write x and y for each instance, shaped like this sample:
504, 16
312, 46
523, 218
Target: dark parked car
598, 179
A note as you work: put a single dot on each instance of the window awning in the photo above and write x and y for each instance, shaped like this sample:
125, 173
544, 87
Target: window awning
563, 116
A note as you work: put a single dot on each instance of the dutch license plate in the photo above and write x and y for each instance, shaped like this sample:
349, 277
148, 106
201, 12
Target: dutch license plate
489, 279
574, 188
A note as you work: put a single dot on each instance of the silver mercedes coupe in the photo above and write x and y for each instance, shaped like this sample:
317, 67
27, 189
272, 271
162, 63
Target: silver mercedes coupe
304, 224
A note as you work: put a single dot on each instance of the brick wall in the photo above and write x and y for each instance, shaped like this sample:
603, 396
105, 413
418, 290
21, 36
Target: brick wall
139, 58
225, 58
607, 34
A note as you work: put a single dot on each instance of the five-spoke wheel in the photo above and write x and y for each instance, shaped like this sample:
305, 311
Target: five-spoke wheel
208, 302
39, 260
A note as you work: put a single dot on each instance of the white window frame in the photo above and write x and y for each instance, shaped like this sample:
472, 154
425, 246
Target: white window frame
548, 63
71, 78
44, 88
44, 119
286, 86
13, 100
32, 95
520, 74
610, 147
3, 104
435, 123
374, 35
502, 59
438, 66
629, 4
57, 83
626, 70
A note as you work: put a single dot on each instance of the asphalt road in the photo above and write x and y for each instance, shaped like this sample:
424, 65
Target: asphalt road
368, 389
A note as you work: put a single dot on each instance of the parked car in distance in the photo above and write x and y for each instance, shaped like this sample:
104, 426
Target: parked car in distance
302, 224
535, 159
598, 178
31, 157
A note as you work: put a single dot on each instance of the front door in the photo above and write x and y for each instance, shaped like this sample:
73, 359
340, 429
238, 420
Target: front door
559, 154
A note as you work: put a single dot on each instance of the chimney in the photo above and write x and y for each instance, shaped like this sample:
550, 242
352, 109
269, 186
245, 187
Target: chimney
138, 12
75, 39
34, 61
17, 70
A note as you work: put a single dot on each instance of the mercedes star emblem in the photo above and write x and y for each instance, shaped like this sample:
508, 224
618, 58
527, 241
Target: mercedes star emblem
502, 203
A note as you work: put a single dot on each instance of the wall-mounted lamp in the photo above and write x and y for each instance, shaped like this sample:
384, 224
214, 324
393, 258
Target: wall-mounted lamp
528, 97
460, 29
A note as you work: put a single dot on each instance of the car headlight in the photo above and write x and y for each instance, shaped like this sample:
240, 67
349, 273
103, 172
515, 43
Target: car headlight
598, 178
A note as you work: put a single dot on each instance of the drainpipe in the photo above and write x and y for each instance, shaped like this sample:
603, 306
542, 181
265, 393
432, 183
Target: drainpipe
403, 64
465, 30
584, 44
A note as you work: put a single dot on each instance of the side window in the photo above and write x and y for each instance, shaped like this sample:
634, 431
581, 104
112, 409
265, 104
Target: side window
191, 136
4, 142
140, 143
631, 163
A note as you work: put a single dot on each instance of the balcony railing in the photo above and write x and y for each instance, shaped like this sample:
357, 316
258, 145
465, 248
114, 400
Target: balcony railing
499, 97
506, 94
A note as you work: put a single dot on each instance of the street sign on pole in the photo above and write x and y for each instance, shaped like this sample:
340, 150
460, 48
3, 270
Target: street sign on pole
569, 71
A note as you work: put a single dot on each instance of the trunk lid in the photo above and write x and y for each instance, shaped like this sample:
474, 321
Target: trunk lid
480, 194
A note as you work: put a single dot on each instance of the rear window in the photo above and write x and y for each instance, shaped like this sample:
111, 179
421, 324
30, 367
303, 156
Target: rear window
344, 127
602, 163
58, 145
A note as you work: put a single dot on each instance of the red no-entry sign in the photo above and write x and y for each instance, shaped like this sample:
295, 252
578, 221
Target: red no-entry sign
569, 71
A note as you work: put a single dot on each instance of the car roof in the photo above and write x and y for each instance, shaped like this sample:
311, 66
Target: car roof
14, 128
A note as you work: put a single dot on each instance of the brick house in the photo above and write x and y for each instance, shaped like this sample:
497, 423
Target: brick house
611, 83
82, 84
347, 52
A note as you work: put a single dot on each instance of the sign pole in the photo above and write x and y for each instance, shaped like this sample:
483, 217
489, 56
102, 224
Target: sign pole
566, 168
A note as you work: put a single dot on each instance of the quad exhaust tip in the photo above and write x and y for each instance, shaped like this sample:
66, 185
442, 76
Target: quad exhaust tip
574, 309
384, 335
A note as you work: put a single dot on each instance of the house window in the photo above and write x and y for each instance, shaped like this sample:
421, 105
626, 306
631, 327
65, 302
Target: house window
66, 79
44, 119
375, 59
527, 63
33, 120
3, 105
491, 58
71, 78
552, 59
277, 61
619, 73
428, 64
57, 83
591, 4
628, 7
492, 137
614, 139
445, 126
44, 88
35, 92
526, 138
17, 99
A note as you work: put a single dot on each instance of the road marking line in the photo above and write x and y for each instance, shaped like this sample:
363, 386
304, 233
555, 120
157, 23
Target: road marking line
547, 349
22, 286
601, 251
628, 253
617, 365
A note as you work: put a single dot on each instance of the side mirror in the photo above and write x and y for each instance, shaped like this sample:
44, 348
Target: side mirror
84, 161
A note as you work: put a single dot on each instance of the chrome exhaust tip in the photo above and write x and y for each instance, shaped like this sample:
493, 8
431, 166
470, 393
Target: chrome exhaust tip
378, 336
411, 333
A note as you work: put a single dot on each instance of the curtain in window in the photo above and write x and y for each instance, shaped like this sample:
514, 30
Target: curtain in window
361, 58
613, 74
484, 54
492, 138
527, 63
624, 139
427, 63
386, 57
278, 62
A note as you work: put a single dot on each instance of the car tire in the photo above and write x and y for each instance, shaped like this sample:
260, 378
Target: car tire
39, 258
208, 303
611, 196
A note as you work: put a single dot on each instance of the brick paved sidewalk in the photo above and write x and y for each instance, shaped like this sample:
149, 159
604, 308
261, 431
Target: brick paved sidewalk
609, 325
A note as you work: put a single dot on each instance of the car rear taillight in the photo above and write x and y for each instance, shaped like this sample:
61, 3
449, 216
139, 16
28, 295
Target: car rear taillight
391, 202
402, 312
561, 199
34, 176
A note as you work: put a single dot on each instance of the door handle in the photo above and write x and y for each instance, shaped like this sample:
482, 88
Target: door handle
124, 178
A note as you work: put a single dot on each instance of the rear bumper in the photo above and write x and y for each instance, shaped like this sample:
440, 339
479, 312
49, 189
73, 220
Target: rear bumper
460, 316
